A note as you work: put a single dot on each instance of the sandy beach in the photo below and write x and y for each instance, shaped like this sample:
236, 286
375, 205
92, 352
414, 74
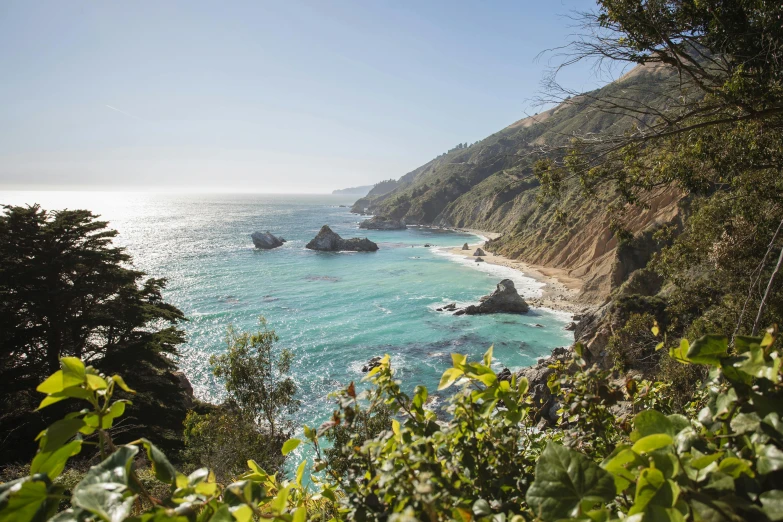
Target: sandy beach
560, 290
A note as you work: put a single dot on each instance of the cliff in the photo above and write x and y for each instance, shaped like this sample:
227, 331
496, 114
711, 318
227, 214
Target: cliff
490, 186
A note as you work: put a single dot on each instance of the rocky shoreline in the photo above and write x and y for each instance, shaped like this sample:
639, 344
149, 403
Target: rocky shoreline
560, 291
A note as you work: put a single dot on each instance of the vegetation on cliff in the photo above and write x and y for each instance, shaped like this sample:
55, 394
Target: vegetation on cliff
617, 451
663, 185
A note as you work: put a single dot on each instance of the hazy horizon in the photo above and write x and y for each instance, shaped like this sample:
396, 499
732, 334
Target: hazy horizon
294, 98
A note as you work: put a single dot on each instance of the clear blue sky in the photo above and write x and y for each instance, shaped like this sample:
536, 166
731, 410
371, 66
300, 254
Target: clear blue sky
285, 96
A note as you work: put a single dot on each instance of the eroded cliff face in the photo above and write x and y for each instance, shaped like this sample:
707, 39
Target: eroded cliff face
490, 186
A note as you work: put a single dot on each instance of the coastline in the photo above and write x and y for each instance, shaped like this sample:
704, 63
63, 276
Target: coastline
559, 291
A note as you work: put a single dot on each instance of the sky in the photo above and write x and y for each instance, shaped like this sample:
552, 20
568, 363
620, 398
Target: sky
255, 96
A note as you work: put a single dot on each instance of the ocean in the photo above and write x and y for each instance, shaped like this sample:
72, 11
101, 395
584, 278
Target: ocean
334, 311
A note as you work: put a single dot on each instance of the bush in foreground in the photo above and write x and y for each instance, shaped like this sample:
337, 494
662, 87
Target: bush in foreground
615, 453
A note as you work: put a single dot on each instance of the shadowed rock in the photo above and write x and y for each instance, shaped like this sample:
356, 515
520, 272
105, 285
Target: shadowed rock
479, 252
479, 260
465, 247
372, 363
266, 240
382, 223
329, 241
504, 299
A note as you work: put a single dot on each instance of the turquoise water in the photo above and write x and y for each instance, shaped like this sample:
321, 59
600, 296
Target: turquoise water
333, 310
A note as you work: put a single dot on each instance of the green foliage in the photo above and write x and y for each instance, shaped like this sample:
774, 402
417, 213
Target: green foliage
65, 291
254, 423
490, 461
256, 378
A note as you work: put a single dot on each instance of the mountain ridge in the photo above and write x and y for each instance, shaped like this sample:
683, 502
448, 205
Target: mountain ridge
490, 186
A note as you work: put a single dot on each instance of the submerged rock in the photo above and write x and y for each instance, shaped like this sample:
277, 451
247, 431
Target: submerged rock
427, 245
266, 240
479, 252
504, 299
465, 247
382, 223
448, 308
329, 241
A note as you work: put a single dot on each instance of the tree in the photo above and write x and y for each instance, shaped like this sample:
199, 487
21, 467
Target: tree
66, 291
256, 378
255, 421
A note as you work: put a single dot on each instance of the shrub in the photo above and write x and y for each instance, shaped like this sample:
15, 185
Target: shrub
616, 453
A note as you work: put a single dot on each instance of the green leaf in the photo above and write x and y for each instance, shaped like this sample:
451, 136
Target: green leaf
420, 396
680, 353
652, 489
708, 349
702, 462
300, 515
59, 432
111, 504
73, 371
23, 500
448, 378
770, 459
652, 443
242, 513
96, 382
745, 422
53, 462
563, 479
121, 383
651, 422
488, 379
488, 357
458, 360
300, 472
735, 467
679, 422
290, 445
114, 470
754, 363
618, 464
743, 343
481, 508
772, 501
163, 469
222, 514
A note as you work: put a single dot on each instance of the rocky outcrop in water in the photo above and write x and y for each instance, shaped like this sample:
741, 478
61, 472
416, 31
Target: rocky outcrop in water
382, 223
479, 260
372, 364
329, 241
465, 247
504, 299
479, 252
266, 240
451, 307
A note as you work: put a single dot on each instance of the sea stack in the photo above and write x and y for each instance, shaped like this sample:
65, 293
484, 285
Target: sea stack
504, 299
329, 241
479, 252
266, 240
465, 247
382, 223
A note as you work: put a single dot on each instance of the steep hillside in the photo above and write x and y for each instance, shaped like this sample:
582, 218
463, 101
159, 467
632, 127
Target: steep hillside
490, 186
